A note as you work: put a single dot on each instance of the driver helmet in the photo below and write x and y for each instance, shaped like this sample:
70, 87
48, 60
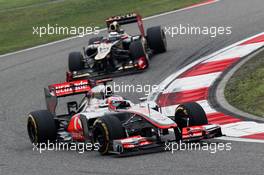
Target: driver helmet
114, 31
114, 27
114, 36
117, 102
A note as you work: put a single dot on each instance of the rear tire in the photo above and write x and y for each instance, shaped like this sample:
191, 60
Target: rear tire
193, 111
41, 127
157, 39
105, 130
75, 61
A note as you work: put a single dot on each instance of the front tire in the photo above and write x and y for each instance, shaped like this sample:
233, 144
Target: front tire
105, 130
138, 54
156, 39
192, 111
41, 127
75, 61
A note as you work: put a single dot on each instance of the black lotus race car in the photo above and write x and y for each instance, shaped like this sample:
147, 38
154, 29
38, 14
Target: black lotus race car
113, 124
118, 53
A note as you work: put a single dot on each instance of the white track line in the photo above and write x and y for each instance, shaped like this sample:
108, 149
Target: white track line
243, 128
237, 139
238, 51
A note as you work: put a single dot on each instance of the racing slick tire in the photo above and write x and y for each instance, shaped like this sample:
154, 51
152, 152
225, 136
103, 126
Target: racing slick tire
75, 61
156, 39
138, 54
193, 111
41, 127
94, 39
105, 130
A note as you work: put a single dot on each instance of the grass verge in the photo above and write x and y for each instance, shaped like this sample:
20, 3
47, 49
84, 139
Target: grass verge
17, 18
245, 90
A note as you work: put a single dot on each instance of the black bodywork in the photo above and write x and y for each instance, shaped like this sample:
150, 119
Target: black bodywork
129, 54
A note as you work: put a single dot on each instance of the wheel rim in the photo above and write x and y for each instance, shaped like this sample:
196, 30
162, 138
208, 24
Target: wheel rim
99, 138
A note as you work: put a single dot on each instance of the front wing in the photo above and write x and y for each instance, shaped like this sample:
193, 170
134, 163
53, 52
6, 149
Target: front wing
139, 144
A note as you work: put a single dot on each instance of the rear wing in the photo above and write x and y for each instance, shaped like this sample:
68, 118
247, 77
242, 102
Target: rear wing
127, 19
69, 88
55, 91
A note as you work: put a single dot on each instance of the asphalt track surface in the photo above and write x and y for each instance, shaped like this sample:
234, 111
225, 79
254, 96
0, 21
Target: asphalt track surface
24, 75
